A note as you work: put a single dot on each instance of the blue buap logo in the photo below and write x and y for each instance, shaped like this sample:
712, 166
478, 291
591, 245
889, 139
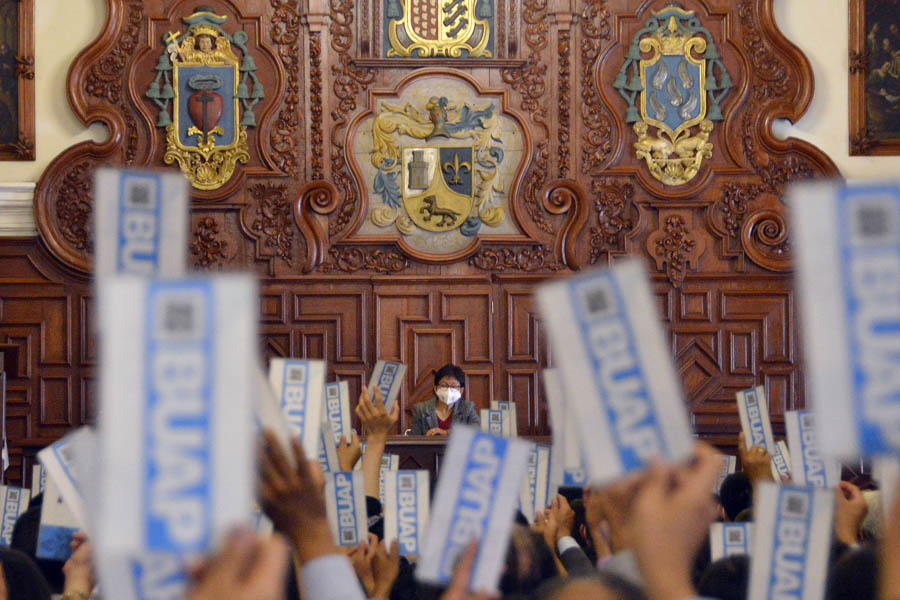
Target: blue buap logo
386, 379
178, 470
293, 396
407, 513
754, 417
10, 514
792, 529
140, 205
346, 508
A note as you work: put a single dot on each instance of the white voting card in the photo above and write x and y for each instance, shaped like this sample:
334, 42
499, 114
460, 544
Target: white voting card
886, 471
608, 344
57, 525
345, 503
566, 466
140, 223
176, 425
728, 539
536, 488
406, 503
729, 464
847, 239
387, 376
510, 407
791, 541
808, 465
13, 502
59, 461
299, 386
149, 576
38, 479
337, 409
327, 451
753, 409
495, 422
389, 462
269, 414
475, 499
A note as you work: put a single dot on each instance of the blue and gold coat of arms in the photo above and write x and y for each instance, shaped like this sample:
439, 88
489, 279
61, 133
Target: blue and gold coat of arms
426, 28
673, 64
212, 93
443, 181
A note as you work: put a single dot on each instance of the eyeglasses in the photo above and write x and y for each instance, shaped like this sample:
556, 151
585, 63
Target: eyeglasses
452, 386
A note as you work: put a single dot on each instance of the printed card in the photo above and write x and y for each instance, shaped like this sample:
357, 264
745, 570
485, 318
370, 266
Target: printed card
140, 223
510, 407
57, 527
606, 338
847, 238
59, 460
389, 462
299, 386
387, 377
886, 471
728, 539
14, 502
808, 465
270, 415
535, 493
753, 409
791, 541
495, 422
156, 576
327, 451
406, 503
345, 501
176, 434
337, 409
729, 464
567, 467
475, 500
38, 480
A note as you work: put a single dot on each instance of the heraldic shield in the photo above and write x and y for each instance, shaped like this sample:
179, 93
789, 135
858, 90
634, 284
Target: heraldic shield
212, 93
437, 186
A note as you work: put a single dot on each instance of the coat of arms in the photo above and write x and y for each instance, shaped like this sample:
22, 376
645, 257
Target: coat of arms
211, 93
678, 79
424, 28
445, 179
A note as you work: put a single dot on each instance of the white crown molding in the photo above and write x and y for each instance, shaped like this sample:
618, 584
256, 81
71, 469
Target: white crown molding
17, 210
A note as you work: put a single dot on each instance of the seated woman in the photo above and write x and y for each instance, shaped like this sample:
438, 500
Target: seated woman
435, 415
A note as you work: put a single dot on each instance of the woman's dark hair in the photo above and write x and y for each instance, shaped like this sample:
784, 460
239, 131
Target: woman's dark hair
726, 579
854, 575
736, 494
23, 579
453, 371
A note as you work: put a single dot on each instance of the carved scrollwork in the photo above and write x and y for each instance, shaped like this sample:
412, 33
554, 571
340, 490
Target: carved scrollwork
273, 223
596, 147
285, 32
566, 197
315, 104
351, 260
22, 148
25, 67
349, 81
208, 249
562, 134
527, 259
74, 206
316, 198
674, 247
104, 80
861, 143
613, 202
764, 237
771, 77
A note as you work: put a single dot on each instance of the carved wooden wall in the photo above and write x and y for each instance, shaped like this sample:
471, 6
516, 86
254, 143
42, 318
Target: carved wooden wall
296, 213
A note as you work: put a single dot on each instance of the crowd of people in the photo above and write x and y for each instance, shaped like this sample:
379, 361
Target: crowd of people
643, 537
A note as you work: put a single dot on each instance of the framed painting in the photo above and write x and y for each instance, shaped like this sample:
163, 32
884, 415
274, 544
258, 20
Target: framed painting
874, 77
16, 79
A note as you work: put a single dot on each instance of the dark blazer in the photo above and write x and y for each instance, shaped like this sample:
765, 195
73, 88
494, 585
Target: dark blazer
425, 415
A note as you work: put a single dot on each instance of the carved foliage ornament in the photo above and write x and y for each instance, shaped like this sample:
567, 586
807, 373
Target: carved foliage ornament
211, 94
673, 80
427, 28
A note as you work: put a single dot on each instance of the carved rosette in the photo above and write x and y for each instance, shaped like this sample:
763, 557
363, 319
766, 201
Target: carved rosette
674, 247
272, 223
207, 246
616, 216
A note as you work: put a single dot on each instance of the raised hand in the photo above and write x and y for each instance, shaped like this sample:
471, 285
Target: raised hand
247, 568
349, 452
850, 509
755, 461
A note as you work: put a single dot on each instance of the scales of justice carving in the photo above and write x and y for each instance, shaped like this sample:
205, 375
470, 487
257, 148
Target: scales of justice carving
211, 94
448, 180
428, 28
677, 87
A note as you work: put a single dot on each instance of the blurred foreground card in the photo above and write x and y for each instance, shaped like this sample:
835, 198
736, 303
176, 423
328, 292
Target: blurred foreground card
847, 240
728, 539
608, 345
808, 465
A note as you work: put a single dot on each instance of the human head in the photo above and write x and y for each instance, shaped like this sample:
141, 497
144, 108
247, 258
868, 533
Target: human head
854, 575
726, 578
602, 586
449, 384
529, 562
22, 579
736, 494
205, 43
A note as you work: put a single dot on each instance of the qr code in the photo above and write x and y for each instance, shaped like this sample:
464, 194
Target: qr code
806, 421
12, 495
332, 391
795, 505
389, 369
735, 535
348, 536
406, 482
750, 397
874, 221
597, 300
495, 417
296, 374
178, 317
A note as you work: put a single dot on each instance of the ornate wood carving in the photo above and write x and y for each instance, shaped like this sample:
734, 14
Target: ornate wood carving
718, 248
17, 68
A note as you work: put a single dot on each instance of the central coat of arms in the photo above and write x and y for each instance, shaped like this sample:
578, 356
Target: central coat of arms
446, 179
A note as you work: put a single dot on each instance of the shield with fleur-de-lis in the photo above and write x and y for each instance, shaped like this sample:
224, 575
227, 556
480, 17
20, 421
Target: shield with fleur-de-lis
438, 186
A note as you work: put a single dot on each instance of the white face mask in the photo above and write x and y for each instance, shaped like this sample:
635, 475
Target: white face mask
448, 396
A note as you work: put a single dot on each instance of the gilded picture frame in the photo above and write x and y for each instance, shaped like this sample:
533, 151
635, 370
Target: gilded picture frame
17, 116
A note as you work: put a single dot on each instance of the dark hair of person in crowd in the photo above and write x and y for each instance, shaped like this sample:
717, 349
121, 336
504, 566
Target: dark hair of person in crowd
726, 578
529, 562
854, 575
580, 531
615, 586
23, 579
24, 539
450, 371
736, 494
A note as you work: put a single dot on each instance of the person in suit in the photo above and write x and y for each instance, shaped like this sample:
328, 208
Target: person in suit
435, 415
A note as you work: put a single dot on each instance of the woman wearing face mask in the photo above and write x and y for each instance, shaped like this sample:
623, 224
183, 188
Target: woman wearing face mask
435, 415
